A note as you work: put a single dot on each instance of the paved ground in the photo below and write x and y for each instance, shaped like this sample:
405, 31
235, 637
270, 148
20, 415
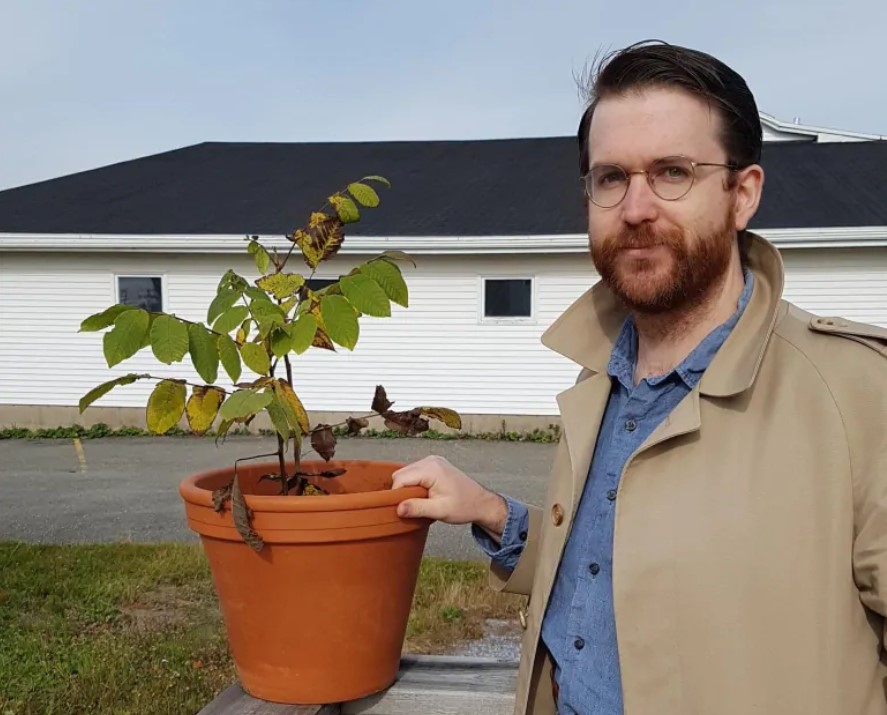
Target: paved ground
129, 489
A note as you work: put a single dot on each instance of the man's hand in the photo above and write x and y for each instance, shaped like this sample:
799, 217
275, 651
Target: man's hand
453, 496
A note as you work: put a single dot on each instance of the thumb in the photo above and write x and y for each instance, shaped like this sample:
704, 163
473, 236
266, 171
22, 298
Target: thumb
414, 509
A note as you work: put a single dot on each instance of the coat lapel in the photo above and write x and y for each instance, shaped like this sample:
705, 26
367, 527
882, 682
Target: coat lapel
582, 409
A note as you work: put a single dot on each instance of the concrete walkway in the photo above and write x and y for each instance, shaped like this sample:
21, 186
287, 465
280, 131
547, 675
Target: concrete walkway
129, 489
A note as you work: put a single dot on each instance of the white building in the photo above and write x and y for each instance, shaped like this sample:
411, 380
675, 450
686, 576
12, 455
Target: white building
494, 226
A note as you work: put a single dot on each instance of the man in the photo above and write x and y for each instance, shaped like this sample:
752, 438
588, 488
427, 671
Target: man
714, 538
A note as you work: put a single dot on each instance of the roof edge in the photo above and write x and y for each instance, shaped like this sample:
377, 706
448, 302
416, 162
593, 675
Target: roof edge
833, 237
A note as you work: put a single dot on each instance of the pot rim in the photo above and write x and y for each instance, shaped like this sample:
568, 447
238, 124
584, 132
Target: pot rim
199, 496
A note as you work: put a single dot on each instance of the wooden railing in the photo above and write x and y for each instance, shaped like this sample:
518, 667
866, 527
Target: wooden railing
426, 685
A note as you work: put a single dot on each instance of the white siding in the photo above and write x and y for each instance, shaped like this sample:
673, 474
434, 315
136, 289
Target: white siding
439, 351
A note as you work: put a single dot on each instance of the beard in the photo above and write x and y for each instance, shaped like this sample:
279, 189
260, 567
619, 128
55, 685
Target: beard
680, 272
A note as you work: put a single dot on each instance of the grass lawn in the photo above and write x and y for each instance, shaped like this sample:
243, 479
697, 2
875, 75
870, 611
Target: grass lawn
135, 629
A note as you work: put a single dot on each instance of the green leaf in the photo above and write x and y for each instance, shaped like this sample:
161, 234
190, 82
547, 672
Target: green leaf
230, 319
222, 431
380, 179
278, 419
204, 352
366, 295
264, 311
365, 195
125, 339
257, 294
165, 406
169, 339
222, 302
388, 276
230, 357
255, 358
302, 333
103, 389
340, 320
232, 281
202, 407
244, 403
260, 254
346, 209
103, 319
397, 256
281, 342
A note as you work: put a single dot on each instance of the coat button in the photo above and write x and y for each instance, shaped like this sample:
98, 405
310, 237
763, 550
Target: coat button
578, 644
522, 616
611, 495
557, 515
595, 569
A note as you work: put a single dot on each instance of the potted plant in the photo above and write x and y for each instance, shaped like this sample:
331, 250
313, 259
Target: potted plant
314, 571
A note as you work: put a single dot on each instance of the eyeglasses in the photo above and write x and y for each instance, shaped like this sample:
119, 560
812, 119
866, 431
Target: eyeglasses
671, 178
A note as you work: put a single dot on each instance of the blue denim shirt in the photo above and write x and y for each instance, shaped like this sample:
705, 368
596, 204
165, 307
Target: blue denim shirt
579, 627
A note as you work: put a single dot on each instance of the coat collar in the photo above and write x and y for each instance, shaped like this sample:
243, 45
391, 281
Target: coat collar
587, 330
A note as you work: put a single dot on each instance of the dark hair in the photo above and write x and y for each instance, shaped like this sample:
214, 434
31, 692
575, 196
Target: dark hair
659, 64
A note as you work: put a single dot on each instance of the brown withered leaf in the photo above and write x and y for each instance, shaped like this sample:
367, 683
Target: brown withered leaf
324, 441
242, 518
220, 497
409, 423
326, 473
322, 340
356, 424
322, 240
381, 403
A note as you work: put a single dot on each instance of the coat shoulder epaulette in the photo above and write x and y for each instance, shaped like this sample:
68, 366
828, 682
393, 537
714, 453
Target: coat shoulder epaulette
872, 336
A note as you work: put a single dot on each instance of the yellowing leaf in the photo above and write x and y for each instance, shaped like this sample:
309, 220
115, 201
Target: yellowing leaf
202, 407
277, 413
346, 209
125, 339
265, 312
165, 406
322, 240
230, 357
449, 417
96, 392
340, 320
397, 256
204, 352
281, 285
302, 333
365, 195
169, 339
103, 319
255, 358
260, 254
292, 405
366, 295
388, 276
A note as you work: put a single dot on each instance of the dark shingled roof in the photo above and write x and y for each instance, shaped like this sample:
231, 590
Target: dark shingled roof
440, 188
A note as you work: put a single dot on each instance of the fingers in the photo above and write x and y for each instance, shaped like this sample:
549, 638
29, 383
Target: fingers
417, 509
416, 474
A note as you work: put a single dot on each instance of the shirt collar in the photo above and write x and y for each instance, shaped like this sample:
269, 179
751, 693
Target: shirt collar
623, 359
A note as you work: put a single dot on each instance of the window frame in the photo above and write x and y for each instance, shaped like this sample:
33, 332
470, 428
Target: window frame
164, 298
484, 319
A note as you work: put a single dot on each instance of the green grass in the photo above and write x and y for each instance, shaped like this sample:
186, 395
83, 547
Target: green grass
135, 629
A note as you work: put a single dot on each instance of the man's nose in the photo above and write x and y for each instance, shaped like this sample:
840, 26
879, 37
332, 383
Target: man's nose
640, 203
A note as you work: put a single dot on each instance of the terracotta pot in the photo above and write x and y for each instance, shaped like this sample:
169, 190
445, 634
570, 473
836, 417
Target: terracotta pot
320, 614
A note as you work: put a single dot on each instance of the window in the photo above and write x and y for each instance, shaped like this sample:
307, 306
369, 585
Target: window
508, 297
143, 291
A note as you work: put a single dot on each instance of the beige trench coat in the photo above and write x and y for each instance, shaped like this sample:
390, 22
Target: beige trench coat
750, 546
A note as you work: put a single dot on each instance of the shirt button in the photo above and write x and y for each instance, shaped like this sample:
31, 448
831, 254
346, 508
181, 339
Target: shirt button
523, 536
578, 644
595, 569
557, 515
611, 495
631, 425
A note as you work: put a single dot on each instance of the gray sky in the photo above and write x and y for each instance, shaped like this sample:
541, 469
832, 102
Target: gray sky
91, 82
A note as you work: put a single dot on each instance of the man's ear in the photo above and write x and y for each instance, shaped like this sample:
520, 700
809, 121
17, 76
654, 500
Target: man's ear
749, 187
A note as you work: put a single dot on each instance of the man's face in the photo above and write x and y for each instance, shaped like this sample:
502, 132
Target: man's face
658, 255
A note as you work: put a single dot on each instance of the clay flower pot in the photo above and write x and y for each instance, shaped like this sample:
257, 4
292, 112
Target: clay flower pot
320, 614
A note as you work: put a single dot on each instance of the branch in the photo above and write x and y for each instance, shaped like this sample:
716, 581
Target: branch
185, 382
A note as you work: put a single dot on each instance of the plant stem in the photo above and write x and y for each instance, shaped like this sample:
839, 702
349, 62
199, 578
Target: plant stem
184, 382
282, 463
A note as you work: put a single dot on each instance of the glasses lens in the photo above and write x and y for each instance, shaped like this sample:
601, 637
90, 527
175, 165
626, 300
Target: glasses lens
671, 177
607, 184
